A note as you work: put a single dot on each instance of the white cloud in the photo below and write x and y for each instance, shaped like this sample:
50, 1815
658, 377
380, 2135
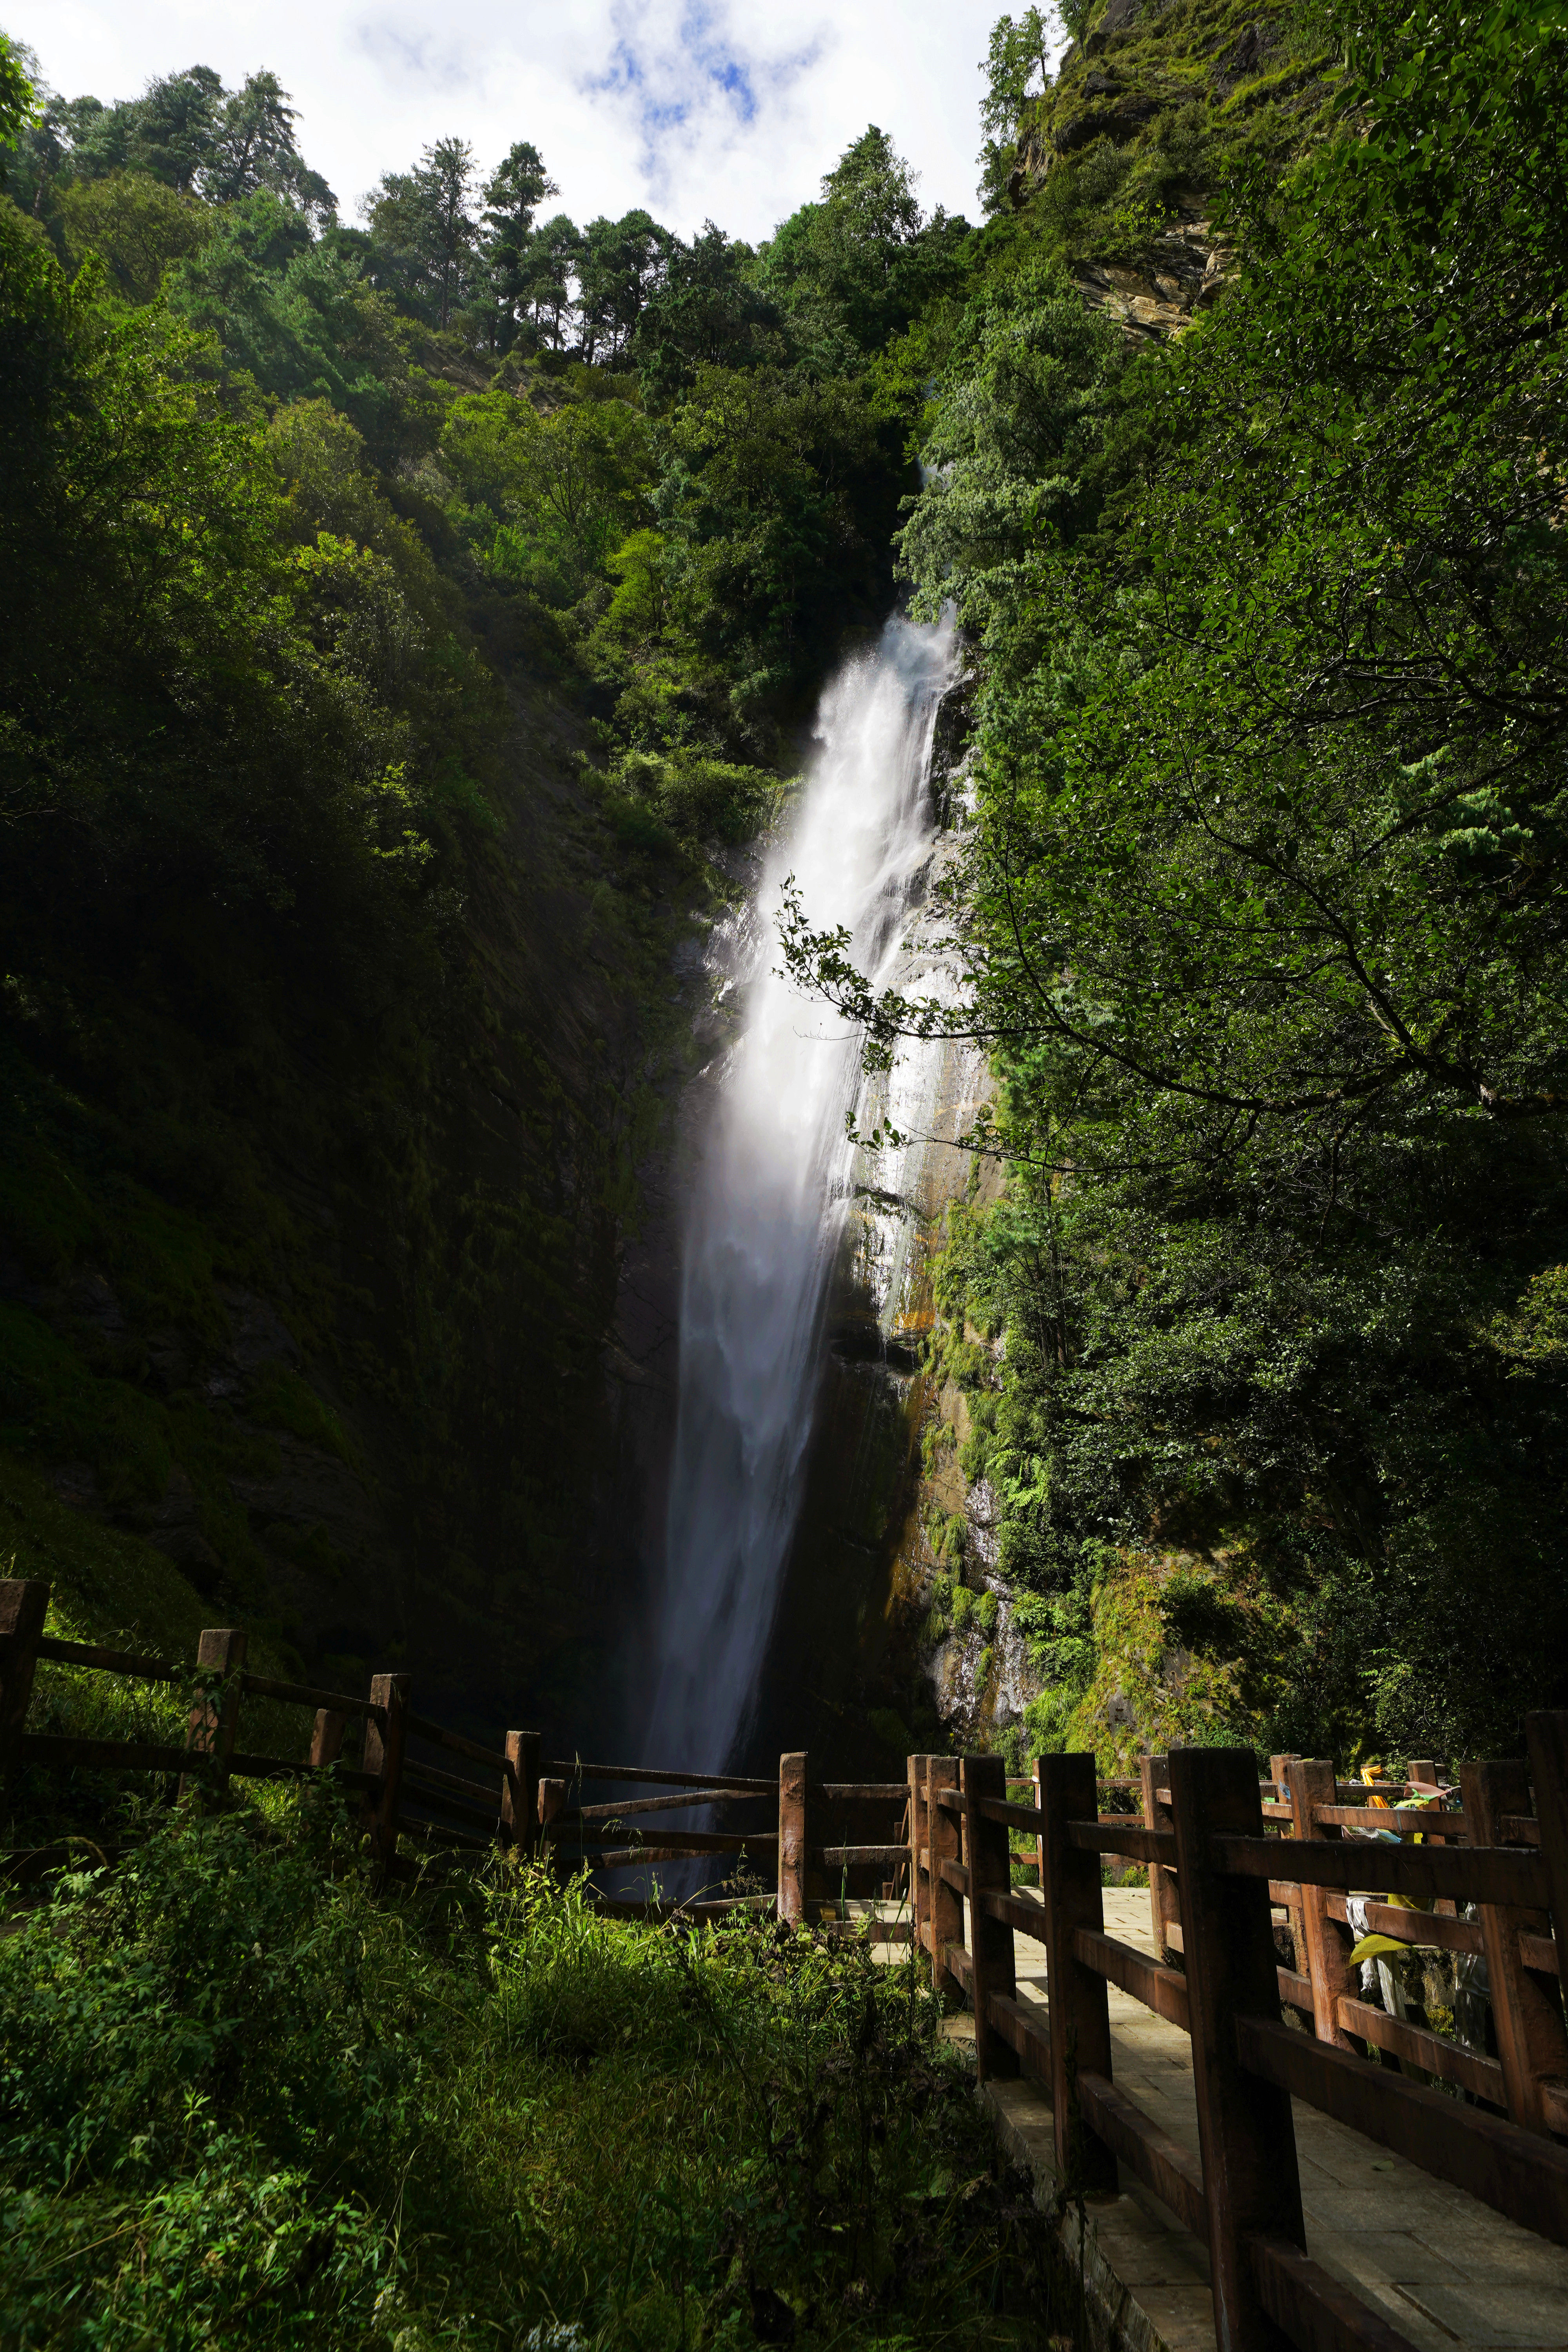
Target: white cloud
731, 109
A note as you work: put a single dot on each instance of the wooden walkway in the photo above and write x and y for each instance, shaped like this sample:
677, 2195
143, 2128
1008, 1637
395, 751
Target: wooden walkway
1438, 2266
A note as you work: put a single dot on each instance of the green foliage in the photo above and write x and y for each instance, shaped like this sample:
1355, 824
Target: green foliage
857, 267
1017, 69
242, 2101
1263, 902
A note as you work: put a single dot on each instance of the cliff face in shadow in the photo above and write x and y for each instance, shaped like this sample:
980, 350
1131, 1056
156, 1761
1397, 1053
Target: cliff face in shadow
327, 1331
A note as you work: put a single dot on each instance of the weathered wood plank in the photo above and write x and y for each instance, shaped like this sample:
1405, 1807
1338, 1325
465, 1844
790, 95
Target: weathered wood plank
1546, 1739
214, 1720
1533, 2048
982, 1780
1080, 2014
129, 1662
1482, 2077
1133, 1844
1171, 2170
1472, 1873
1246, 2136
1314, 2310
573, 1770
421, 1728
838, 1856
1162, 1989
1513, 2171
303, 1694
946, 1924
519, 1792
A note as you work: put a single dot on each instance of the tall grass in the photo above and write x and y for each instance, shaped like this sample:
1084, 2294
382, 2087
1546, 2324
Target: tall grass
244, 2101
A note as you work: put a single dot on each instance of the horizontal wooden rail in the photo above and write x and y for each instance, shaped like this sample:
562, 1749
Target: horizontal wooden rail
840, 1855
623, 1808
1312, 2309
1026, 2028
861, 1793
1473, 1874
1162, 1989
1025, 1918
1162, 2163
1450, 2061
571, 1771
1132, 1844
421, 1728
672, 1841
718, 1907
111, 1661
953, 1875
1295, 1992
1410, 1823
301, 1695
1428, 1930
1520, 1828
629, 1857
1516, 2172
430, 1776
1016, 1817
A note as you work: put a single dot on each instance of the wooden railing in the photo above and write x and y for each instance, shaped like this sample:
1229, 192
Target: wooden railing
399, 1789
1223, 1855
510, 1795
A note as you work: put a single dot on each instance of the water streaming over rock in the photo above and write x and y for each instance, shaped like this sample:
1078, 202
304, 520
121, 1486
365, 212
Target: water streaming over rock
772, 1193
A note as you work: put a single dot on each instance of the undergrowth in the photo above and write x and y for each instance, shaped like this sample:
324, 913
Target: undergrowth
244, 2101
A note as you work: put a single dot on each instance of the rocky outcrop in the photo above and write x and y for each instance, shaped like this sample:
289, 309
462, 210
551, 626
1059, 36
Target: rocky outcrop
1186, 271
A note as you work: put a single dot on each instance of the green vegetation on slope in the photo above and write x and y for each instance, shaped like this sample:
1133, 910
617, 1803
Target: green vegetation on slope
1262, 903
242, 2103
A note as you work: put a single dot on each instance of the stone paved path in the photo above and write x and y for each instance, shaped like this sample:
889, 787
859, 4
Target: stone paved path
1436, 2264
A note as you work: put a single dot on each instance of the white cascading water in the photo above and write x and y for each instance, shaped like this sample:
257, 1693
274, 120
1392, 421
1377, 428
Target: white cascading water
772, 1193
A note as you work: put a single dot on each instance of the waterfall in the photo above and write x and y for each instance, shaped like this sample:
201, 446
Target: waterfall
771, 1192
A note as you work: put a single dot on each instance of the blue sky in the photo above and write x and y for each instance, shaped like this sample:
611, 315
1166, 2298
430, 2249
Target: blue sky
729, 110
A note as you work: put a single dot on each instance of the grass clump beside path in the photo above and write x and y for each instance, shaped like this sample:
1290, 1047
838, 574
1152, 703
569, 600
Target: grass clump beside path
243, 2102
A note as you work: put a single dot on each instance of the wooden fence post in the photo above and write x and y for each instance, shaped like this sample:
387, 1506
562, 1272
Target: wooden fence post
24, 1605
920, 1838
215, 1714
1546, 1739
327, 1738
946, 1902
384, 1747
1080, 2006
1245, 2136
519, 1791
986, 1849
1279, 1773
1154, 1774
551, 1801
792, 1840
1531, 2045
1311, 1781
